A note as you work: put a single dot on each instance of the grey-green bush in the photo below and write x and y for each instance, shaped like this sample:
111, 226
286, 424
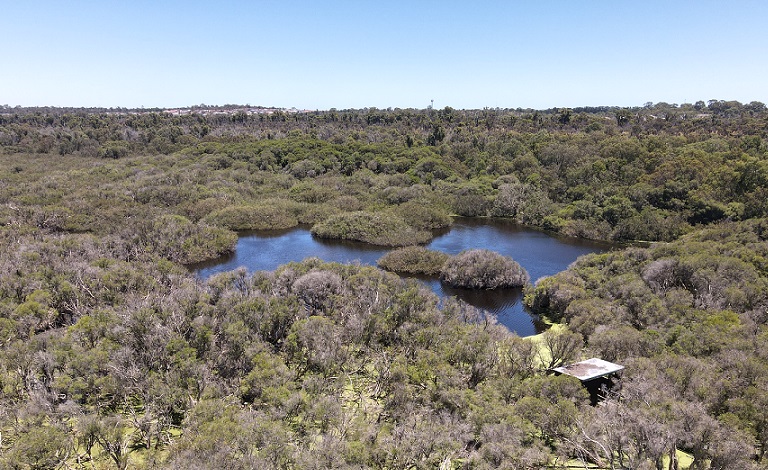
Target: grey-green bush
483, 269
261, 217
413, 260
374, 228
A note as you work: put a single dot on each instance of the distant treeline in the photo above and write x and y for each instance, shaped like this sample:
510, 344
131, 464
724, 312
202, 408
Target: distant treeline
649, 173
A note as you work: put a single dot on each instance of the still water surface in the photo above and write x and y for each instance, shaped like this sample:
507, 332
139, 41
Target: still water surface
539, 253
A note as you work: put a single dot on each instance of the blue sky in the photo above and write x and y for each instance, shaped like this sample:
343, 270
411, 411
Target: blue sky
393, 53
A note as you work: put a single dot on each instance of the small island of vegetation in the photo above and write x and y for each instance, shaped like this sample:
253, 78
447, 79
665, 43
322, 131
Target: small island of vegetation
413, 260
472, 269
369, 227
483, 269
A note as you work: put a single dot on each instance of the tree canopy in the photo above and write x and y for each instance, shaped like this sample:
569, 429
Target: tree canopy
113, 354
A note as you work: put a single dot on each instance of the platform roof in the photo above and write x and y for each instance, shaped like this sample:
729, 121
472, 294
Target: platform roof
589, 369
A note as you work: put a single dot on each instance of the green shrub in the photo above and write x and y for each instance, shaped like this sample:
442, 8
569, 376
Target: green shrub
423, 216
177, 238
314, 213
347, 203
262, 217
113, 150
483, 269
471, 205
413, 260
374, 228
197, 209
306, 191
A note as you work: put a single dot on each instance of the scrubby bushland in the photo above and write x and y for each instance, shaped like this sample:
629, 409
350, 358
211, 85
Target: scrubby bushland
483, 269
413, 260
176, 238
717, 271
262, 217
423, 216
109, 348
316, 288
374, 228
685, 318
651, 173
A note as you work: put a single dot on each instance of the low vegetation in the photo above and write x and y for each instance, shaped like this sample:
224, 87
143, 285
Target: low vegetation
422, 217
268, 216
413, 260
369, 227
483, 269
472, 269
113, 355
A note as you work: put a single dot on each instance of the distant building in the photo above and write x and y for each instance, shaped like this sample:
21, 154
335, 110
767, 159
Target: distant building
597, 375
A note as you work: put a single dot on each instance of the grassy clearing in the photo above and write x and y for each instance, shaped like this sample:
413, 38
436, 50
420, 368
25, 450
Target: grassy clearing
358, 395
543, 356
684, 462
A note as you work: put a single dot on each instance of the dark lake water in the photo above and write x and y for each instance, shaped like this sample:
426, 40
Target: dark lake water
541, 254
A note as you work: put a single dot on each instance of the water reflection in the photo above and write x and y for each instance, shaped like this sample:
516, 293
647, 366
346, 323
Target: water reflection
539, 253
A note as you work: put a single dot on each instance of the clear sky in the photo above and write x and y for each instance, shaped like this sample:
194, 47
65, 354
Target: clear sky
383, 53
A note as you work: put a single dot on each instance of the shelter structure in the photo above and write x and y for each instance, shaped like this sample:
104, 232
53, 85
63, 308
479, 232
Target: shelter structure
597, 375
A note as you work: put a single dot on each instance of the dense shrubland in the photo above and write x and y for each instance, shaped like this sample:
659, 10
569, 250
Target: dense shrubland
113, 354
651, 173
483, 269
370, 227
471, 269
689, 320
413, 260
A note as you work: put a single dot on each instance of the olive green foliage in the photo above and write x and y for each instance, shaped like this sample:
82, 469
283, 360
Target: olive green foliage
652, 175
113, 355
685, 318
413, 260
176, 238
369, 227
483, 269
270, 215
421, 216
